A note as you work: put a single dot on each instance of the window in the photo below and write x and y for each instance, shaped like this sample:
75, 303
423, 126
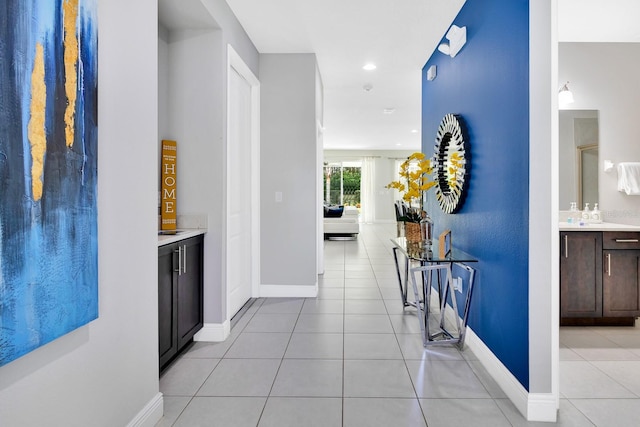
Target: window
342, 183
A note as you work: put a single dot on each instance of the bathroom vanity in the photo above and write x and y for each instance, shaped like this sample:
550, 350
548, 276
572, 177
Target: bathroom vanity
599, 274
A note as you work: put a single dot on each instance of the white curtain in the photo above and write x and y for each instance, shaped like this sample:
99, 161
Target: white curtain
367, 188
396, 177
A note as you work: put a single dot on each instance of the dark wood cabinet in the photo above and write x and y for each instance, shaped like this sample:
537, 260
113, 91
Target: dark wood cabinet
599, 277
167, 296
180, 303
621, 274
580, 274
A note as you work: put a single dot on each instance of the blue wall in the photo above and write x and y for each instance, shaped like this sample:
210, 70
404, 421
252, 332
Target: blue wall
487, 84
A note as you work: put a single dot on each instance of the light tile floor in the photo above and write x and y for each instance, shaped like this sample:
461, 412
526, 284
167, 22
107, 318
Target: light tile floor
353, 357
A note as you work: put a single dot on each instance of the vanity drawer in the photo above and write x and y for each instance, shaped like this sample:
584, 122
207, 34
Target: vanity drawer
620, 240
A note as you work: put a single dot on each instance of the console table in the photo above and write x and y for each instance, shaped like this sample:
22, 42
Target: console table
427, 261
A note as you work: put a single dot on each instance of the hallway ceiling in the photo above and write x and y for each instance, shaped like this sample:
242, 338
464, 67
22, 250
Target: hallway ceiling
611, 21
398, 36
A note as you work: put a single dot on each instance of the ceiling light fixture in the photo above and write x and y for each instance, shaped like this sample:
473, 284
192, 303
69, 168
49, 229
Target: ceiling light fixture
389, 110
457, 37
565, 96
369, 67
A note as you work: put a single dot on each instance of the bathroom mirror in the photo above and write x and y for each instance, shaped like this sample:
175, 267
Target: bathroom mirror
578, 157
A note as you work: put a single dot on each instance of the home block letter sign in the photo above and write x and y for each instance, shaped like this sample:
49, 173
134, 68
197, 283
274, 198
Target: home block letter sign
168, 189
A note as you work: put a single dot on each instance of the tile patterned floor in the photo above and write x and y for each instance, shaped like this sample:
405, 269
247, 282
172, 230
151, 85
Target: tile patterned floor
353, 357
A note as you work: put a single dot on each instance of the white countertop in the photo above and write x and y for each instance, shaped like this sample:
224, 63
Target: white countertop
182, 233
603, 226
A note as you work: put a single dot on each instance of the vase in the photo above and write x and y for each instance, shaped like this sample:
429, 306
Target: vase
412, 231
426, 229
420, 232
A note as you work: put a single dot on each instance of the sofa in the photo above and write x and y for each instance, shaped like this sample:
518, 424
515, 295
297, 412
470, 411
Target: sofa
341, 220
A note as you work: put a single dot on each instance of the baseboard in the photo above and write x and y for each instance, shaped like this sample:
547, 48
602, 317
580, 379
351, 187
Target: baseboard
150, 414
213, 332
288, 291
541, 407
532, 406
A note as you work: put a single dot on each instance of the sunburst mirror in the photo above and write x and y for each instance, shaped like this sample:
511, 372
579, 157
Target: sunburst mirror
450, 164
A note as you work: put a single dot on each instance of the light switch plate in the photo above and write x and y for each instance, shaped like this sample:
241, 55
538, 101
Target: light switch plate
457, 284
432, 72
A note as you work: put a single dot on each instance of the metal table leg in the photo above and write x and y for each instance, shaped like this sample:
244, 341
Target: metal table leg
442, 335
402, 283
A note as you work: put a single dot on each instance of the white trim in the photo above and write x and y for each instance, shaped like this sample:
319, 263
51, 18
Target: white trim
288, 291
319, 195
213, 332
505, 379
542, 407
150, 414
543, 277
235, 61
533, 406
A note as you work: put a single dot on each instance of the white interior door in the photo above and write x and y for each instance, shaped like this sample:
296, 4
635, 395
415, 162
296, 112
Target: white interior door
239, 193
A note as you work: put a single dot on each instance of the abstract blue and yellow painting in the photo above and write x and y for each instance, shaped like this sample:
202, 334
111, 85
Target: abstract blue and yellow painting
48, 171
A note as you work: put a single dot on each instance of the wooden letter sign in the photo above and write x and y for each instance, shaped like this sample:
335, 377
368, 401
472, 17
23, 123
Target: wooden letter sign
168, 191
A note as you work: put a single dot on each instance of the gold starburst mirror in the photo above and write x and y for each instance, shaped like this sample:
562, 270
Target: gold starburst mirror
450, 164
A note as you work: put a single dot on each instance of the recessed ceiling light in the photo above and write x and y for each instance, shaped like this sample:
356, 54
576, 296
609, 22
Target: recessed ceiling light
414, 130
389, 110
369, 67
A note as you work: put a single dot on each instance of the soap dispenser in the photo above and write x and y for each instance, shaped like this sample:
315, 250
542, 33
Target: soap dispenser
586, 216
595, 214
574, 216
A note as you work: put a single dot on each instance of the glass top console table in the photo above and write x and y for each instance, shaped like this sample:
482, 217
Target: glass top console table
419, 264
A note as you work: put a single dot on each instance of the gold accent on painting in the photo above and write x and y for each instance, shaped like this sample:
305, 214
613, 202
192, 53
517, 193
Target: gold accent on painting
36, 127
70, 9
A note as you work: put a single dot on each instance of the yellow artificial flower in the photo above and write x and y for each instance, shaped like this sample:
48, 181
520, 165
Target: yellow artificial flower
414, 178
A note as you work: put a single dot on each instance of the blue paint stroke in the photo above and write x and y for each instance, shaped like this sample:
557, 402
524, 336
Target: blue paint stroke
48, 248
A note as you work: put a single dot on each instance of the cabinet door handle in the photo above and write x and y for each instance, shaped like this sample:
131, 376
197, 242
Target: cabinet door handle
179, 251
609, 264
566, 246
184, 262
626, 240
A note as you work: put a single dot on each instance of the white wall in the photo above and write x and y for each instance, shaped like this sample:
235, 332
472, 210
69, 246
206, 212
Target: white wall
319, 177
193, 112
603, 77
233, 33
288, 164
543, 205
105, 374
384, 173
163, 87
195, 120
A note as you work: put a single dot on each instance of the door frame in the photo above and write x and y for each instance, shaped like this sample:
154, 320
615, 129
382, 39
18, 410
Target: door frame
235, 62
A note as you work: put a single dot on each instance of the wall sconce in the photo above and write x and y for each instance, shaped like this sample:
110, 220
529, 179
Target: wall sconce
457, 37
565, 96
